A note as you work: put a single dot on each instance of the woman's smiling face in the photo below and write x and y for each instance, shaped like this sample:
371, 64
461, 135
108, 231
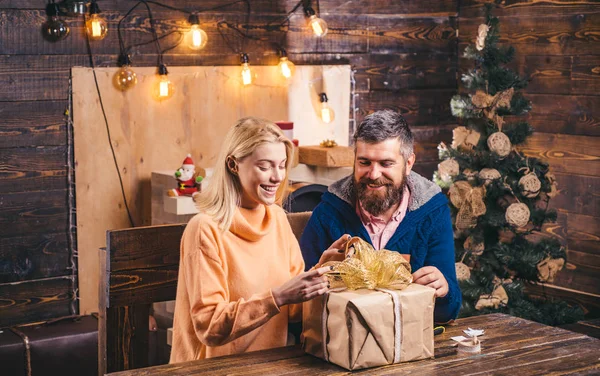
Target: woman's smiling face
261, 173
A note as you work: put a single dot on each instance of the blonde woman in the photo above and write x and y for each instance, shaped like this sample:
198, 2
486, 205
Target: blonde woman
241, 270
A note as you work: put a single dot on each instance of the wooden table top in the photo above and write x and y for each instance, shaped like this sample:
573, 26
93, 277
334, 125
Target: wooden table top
510, 346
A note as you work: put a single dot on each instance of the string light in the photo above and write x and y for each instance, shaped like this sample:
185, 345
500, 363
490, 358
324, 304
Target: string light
246, 72
327, 114
125, 78
286, 67
163, 88
318, 26
95, 25
196, 38
54, 29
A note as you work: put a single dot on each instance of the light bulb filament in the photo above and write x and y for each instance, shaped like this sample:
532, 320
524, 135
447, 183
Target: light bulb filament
246, 74
285, 70
96, 28
164, 89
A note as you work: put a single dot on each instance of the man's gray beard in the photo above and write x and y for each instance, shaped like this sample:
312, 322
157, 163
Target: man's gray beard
373, 203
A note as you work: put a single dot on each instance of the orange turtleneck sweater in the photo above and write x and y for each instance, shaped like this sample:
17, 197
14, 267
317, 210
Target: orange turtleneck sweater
224, 302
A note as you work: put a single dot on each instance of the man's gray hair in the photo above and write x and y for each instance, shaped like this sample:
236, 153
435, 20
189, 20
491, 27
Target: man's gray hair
382, 125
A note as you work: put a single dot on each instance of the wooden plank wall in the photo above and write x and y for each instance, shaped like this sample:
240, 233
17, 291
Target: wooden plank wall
558, 48
404, 54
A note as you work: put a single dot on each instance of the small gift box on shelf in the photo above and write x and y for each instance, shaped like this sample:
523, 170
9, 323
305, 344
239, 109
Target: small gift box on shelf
336, 156
373, 316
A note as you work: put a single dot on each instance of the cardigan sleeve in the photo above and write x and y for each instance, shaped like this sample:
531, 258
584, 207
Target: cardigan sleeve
441, 255
316, 237
216, 320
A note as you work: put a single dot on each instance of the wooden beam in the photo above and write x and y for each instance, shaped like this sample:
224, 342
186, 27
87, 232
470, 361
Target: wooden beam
29, 301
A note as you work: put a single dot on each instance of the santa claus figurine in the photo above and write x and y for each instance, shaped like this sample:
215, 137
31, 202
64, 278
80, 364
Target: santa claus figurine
187, 182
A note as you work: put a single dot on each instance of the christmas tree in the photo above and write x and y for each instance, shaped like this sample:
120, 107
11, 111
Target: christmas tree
499, 197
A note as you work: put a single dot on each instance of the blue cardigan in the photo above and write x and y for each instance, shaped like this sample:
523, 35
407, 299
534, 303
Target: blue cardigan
425, 233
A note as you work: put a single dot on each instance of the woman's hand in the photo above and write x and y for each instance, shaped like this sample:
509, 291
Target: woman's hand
302, 287
336, 252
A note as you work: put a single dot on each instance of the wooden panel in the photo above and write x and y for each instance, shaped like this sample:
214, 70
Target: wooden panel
144, 264
589, 302
33, 123
578, 115
33, 169
127, 338
527, 8
586, 75
565, 153
144, 247
374, 34
578, 194
33, 213
408, 71
560, 34
33, 257
419, 107
24, 302
584, 236
270, 6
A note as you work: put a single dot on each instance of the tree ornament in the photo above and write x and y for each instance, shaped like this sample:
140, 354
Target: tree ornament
530, 185
448, 169
488, 175
548, 268
500, 144
475, 247
469, 202
517, 214
464, 138
489, 105
463, 272
470, 175
482, 33
494, 300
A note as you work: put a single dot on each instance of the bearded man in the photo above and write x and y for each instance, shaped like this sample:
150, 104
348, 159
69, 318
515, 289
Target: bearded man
391, 206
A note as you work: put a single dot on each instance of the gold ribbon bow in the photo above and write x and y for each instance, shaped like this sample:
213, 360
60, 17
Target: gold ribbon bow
489, 104
366, 268
469, 202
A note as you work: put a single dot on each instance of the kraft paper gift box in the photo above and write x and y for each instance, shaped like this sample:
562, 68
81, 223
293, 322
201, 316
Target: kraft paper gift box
370, 327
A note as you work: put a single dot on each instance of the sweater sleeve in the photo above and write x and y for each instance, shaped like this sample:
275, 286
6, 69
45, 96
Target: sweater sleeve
441, 255
217, 320
296, 267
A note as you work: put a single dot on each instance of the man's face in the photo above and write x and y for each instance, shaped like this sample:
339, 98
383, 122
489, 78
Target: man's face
380, 174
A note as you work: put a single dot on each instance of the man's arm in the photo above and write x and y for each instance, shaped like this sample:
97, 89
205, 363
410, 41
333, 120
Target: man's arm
315, 239
441, 256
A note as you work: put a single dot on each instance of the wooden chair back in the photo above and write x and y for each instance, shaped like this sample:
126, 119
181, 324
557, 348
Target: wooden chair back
141, 266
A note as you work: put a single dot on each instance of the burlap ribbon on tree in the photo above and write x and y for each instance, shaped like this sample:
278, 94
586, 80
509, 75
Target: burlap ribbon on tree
469, 202
489, 104
366, 268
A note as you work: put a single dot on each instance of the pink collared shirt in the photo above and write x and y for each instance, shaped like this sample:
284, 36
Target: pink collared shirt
380, 231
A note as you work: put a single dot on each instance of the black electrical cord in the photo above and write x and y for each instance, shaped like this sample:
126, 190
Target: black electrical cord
92, 63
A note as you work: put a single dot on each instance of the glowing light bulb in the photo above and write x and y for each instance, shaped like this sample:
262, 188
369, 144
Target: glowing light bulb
163, 88
246, 72
286, 67
196, 38
125, 78
54, 29
327, 114
318, 26
95, 25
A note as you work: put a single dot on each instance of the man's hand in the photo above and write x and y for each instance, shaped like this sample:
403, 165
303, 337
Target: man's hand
431, 276
335, 252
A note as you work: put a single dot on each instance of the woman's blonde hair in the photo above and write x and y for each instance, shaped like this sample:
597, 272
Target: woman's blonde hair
224, 192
